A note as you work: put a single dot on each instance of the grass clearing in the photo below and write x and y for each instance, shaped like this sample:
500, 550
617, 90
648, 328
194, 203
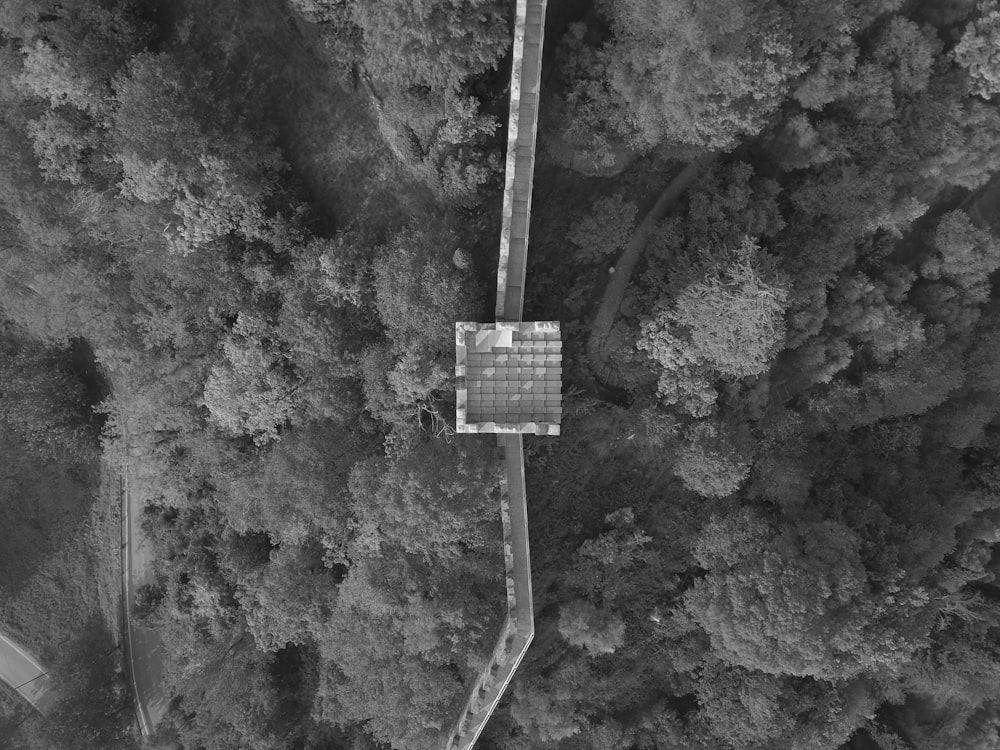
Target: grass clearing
58, 550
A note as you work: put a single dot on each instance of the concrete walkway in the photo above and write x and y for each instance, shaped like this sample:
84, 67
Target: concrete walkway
522, 127
519, 624
145, 657
26, 676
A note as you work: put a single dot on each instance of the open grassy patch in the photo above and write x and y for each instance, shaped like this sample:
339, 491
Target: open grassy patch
58, 556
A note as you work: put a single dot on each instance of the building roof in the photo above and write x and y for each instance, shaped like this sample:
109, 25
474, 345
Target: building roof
509, 377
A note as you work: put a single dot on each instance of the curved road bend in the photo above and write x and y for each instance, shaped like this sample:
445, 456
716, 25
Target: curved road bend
26, 676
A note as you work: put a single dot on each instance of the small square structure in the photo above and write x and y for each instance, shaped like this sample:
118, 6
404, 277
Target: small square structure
509, 377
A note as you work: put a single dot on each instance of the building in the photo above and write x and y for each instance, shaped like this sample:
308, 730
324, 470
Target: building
509, 377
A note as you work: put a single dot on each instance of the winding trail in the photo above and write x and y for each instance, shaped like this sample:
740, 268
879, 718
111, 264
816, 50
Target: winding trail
614, 293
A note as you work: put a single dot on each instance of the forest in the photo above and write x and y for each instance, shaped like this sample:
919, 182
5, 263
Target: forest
235, 236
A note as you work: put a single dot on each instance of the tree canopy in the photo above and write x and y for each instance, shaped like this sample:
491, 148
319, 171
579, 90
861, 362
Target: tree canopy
770, 520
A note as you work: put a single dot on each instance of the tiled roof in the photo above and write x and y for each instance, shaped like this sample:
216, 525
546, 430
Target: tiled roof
509, 377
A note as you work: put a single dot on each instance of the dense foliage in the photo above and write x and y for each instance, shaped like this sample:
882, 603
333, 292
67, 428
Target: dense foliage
809, 453
279, 348
771, 521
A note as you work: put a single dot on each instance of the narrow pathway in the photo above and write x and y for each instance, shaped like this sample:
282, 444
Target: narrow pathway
26, 676
614, 293
522, 127
519, 624
145, 660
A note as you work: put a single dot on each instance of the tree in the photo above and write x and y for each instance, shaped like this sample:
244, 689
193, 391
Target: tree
672, 90
954, 138
598, 631
71, 52
251, 392
797, 601
292, 491
386, 661
602, 564
284, 601
73, 49
909, 52
181, 140
978, 51
605, 229
232, 699
44, 403
710, 463
733, 314
964, 255
63, 143
436, 43
871, 316
747, 710
727, 323
445, 141
918, 379
93, 710
419, 294
319, 11
704, 75
433, 500
541, 715
950, 701
961, 420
